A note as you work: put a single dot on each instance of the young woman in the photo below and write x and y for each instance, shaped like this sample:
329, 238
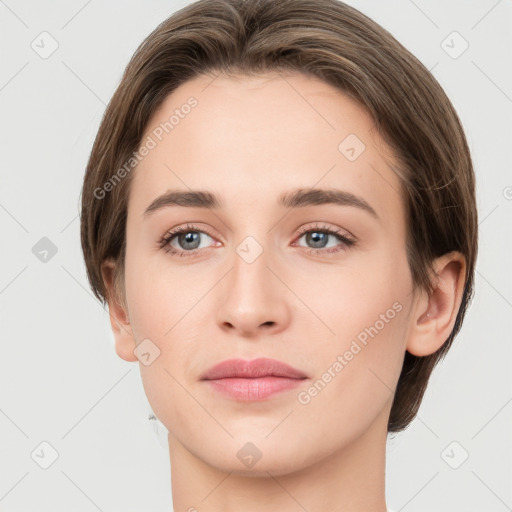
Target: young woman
279, 210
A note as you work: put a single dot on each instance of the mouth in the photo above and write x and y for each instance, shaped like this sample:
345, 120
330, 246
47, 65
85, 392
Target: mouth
252, 380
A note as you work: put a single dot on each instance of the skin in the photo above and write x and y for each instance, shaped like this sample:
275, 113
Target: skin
248, 140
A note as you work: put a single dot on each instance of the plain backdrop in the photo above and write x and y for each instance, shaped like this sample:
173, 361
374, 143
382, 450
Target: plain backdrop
61, 382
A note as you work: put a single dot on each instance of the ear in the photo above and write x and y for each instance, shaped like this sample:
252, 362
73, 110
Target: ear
119, 318
434, 317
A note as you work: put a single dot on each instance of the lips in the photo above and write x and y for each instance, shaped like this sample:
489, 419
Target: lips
257, 368
252, 381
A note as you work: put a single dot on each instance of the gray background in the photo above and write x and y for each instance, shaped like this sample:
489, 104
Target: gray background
60, 379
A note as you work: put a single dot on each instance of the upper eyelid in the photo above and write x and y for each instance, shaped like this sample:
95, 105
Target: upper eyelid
303, 229
333, 230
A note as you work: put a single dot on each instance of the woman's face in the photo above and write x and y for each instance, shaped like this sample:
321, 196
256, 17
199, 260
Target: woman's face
256, 276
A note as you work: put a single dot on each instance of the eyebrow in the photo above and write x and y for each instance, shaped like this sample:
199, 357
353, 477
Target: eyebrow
299, 198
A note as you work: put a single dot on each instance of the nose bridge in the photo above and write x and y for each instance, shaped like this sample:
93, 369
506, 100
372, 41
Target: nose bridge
250, 262
250, 279
252, 247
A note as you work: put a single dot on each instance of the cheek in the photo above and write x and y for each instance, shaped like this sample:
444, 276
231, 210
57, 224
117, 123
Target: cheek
158, 296
361, 336
344, 300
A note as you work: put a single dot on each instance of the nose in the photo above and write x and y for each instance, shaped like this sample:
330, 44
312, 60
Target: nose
252, 299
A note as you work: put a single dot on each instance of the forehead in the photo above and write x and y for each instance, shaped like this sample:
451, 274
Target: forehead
248, 138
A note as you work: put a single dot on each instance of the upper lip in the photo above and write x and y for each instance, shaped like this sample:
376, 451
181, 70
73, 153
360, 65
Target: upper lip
261, 367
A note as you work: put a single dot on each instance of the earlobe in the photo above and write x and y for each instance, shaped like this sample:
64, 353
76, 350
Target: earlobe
119, 318
435, 315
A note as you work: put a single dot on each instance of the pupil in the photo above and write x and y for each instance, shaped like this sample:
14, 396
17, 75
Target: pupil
315, 236
189, 238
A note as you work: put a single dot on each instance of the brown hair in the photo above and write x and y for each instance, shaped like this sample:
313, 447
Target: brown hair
329, 40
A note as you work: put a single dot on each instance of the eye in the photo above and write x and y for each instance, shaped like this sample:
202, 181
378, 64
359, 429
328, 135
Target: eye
318, 237
188, 238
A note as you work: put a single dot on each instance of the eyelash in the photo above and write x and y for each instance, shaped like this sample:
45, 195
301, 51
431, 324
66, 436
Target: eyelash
165, 242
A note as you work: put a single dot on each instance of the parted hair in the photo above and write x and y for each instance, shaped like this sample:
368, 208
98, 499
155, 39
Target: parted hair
338, 44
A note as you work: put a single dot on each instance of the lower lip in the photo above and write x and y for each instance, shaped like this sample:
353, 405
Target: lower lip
251, 390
